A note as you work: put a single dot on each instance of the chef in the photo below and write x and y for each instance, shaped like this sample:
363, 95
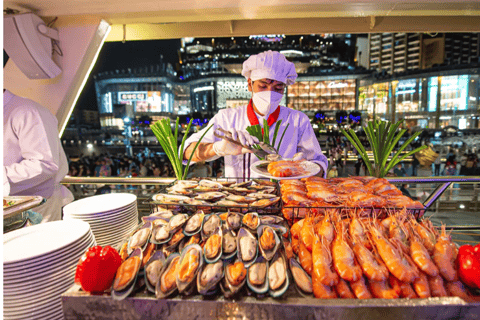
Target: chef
33, 158
268, 74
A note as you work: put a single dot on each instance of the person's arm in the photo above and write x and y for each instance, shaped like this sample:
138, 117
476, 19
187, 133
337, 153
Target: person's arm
203, 152
39, 149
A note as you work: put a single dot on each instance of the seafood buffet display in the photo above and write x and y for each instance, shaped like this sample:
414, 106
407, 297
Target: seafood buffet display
378, 195
176, 253
260, 195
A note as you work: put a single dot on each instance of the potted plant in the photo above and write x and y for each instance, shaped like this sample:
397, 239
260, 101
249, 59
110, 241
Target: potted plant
382, 137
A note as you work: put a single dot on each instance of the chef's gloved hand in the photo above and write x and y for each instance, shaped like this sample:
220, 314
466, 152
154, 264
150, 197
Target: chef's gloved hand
298, 156
224, 147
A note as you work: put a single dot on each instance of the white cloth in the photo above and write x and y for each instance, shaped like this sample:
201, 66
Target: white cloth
33, 157
299, 137
269, 65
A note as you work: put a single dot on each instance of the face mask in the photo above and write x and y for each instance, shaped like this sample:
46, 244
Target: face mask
266, 101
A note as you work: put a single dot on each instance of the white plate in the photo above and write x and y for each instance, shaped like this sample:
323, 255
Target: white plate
57, 256
100, 203
28, 243
33, 290
120, 232
125, 213
311, 167
98, 215
52, 303
39, 272
113, 222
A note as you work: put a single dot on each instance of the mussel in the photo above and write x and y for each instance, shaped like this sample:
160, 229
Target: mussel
263, 203
251, 221
265, 182
177, 221
153, 270
230, 203
141, 236
302, 280
194, 224
166, 198
195, 239
234, 279
210, 196
247, 247
161, 234
268, 240
190, 263
242, 184
257, 279
210, 224
167, 284
175, 240
127, 275
213, 246
234, 220
271, 220
278, 281
209, 276
229, 244
210, 184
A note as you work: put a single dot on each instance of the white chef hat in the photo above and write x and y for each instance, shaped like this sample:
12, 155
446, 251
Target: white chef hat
269, 65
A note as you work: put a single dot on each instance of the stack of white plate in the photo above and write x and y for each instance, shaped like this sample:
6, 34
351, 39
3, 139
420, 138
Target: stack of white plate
112, 217
39, 264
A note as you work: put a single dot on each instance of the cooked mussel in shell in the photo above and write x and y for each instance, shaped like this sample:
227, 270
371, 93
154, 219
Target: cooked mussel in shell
211, 223
168, 280
213, 246
128, 271
194, 224
301, 278
209, 277
251, 220
234, 220
247, 247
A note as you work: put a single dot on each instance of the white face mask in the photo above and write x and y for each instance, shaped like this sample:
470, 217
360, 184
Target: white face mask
266, 101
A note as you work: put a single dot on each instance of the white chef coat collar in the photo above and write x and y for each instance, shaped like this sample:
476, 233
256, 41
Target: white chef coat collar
7, 96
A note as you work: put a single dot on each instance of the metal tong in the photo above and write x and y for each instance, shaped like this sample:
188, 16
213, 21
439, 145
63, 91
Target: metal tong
266, 151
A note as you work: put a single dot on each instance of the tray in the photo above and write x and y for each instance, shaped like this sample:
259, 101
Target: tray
189, 208
20, 204
260, 167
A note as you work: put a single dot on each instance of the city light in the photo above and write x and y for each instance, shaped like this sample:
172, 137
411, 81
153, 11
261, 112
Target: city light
90, 146
126, 119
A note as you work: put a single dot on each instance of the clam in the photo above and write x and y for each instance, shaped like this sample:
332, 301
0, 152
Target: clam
213, 246
277, 276
177, 221
268, 241
210, 184
242, 184
247, 247
265, 182
230, 203
169, 198
141, 236
209, 276
251, 221
241, 199
190, 263
234, 220
161, 234
263, 203
271, 219
234, 279
127, 275
210, 196
153, 270
210, 224
187, 184
257, 279
229, 244
167, 283
302, 280
194, 224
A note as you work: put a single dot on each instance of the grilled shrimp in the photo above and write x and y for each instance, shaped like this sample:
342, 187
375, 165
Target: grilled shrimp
444, 256
456, 289
305, 258
324, 228
322, 263
374, 269
425, 234
343, 290
421, 286
404, 289
395, 262
360, 289
306, 233
322, 291
295, 229
344, 258
421, 257
382, 290
357, 231
437, 286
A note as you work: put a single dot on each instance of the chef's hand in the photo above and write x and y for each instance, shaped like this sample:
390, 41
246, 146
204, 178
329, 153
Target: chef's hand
224, 147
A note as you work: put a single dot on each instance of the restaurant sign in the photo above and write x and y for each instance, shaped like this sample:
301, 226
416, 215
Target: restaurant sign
128, 96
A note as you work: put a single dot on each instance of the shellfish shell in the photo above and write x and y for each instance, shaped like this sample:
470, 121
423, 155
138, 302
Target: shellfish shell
257, 277
247, 247
209, 276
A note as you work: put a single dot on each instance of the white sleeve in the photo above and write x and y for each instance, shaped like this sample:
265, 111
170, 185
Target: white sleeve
208, 138
38, 147
308, 144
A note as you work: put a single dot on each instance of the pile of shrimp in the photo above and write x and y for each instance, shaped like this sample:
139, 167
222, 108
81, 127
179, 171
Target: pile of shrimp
286, 168
355, 192
367, 257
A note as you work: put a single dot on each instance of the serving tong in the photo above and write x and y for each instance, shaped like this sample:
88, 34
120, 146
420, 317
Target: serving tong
266, 152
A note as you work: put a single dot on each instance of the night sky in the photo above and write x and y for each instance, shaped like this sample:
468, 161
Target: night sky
131, 54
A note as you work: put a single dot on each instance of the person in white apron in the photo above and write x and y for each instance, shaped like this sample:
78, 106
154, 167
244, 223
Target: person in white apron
33, 158
268, 73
